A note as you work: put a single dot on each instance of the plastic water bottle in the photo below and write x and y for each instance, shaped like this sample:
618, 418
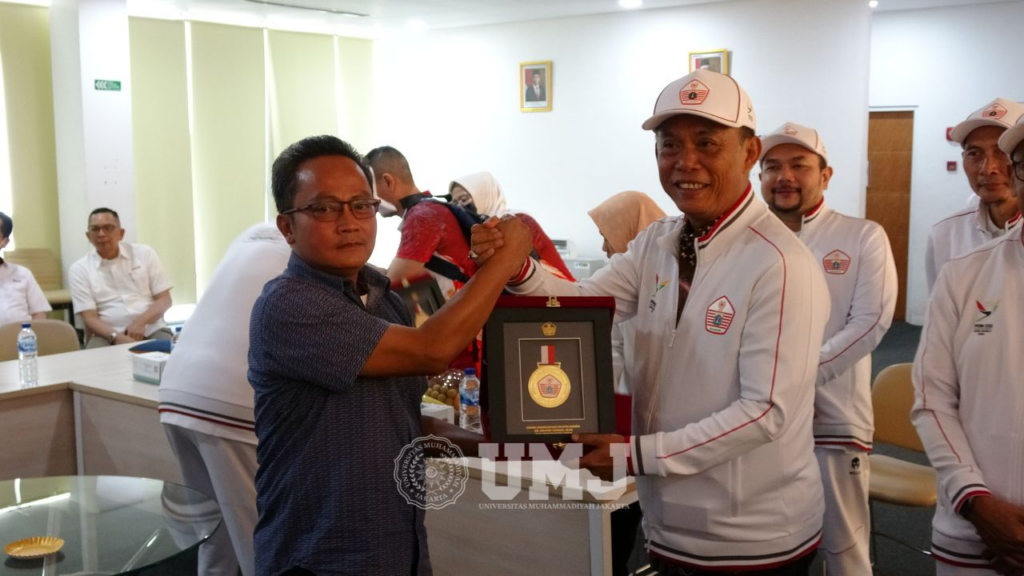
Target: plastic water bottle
28, 352
469, 402
175, 338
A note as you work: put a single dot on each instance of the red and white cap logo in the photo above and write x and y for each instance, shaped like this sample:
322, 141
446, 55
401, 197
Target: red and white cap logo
719, 316
694, 93
836, 262
995, 112
789, 130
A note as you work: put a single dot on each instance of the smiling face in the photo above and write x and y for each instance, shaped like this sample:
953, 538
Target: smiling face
986, 166
341, 247
704, 166
792, 179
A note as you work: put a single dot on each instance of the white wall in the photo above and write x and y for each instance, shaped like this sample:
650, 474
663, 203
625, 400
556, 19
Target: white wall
800, 60
944, 62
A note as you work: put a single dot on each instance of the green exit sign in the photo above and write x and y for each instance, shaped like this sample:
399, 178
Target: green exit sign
114, 85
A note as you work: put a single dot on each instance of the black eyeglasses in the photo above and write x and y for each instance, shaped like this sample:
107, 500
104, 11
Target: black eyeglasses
330, 210
1018, 170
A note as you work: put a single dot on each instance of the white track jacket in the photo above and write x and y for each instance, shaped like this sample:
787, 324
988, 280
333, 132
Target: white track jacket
959, 234
723, 401
857, 261
969, 401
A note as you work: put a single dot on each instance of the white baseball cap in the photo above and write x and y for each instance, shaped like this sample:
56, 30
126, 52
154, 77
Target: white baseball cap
793, 133
704, 93
1012, 138
999, 112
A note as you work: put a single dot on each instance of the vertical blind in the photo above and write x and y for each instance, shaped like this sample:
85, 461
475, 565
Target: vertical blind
212, 106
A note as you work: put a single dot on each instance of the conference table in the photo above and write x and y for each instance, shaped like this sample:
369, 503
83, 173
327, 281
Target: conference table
110, 525
88, 417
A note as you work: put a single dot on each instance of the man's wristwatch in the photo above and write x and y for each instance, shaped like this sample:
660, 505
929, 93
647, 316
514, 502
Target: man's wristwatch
113, 337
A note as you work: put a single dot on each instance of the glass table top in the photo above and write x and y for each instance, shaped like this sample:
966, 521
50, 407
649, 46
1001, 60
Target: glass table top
110, 524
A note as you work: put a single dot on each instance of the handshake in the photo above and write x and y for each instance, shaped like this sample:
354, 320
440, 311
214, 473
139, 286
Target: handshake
506, 242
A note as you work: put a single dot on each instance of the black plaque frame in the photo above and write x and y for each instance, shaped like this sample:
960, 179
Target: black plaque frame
423, 291
495, 363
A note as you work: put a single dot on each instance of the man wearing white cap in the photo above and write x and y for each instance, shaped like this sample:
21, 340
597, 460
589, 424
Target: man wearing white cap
969, 399
729, 309
855, 255
988, 172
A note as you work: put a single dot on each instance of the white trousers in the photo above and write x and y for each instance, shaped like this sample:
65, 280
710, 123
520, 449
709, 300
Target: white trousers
846, 533
224, 470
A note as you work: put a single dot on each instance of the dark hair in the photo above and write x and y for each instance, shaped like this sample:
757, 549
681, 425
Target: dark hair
388, 160
284, 174
6, 225
102, 210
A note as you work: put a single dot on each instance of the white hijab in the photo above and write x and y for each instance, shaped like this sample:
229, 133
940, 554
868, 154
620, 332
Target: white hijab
486, 193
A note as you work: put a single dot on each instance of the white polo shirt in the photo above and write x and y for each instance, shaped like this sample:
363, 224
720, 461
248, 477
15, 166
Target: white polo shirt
20, 294
205, 385
121, 288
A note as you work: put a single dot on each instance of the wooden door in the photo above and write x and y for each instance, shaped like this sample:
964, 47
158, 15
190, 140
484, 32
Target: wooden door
890, 147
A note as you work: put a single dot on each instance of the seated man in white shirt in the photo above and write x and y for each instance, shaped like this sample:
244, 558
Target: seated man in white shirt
21, 298
120, 290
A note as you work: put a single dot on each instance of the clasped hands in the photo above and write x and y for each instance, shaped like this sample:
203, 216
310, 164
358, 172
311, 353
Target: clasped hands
506, 239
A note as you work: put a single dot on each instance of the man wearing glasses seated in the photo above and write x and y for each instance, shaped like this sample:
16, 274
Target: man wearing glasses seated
338, 375
120, 290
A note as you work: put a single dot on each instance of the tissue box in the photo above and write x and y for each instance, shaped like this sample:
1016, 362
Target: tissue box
438, 411
149, 367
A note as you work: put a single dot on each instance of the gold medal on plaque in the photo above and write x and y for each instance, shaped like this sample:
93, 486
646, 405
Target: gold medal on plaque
549, 386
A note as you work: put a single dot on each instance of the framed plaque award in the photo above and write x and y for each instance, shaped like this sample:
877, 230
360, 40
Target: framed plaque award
421, 296
548, 369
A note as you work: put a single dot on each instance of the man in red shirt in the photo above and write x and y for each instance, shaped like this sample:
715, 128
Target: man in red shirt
432, 239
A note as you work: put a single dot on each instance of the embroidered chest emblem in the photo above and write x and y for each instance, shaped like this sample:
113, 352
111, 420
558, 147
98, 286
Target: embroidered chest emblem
719, 316
658, 285
982, 324
836, 262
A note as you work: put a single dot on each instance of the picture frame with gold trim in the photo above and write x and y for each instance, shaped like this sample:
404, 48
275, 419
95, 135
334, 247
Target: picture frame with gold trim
714, 60
535, 86
547, 371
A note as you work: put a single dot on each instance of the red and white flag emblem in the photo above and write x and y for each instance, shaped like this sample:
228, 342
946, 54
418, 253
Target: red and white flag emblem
836, 262
694, 93
719, 316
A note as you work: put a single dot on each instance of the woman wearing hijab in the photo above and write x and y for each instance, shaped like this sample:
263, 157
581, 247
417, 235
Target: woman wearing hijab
481, 193
619, 219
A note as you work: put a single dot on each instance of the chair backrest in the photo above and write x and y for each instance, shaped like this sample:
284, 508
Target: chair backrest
892, 395
52, 337
43, 264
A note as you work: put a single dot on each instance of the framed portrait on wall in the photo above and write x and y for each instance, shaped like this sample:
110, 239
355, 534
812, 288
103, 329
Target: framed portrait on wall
714, 60
535, 86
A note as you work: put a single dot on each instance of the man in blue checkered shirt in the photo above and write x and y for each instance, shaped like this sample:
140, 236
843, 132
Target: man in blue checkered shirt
338, 375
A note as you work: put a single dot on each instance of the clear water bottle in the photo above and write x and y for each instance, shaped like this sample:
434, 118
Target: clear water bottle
28, 352
469, 402
175, 338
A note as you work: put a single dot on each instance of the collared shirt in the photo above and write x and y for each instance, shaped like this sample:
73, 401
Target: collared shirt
121, 288
20, 295
328, 437
959, 234
205, 386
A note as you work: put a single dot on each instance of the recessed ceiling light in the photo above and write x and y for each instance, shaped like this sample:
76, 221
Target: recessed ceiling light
631, 3
873, 3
